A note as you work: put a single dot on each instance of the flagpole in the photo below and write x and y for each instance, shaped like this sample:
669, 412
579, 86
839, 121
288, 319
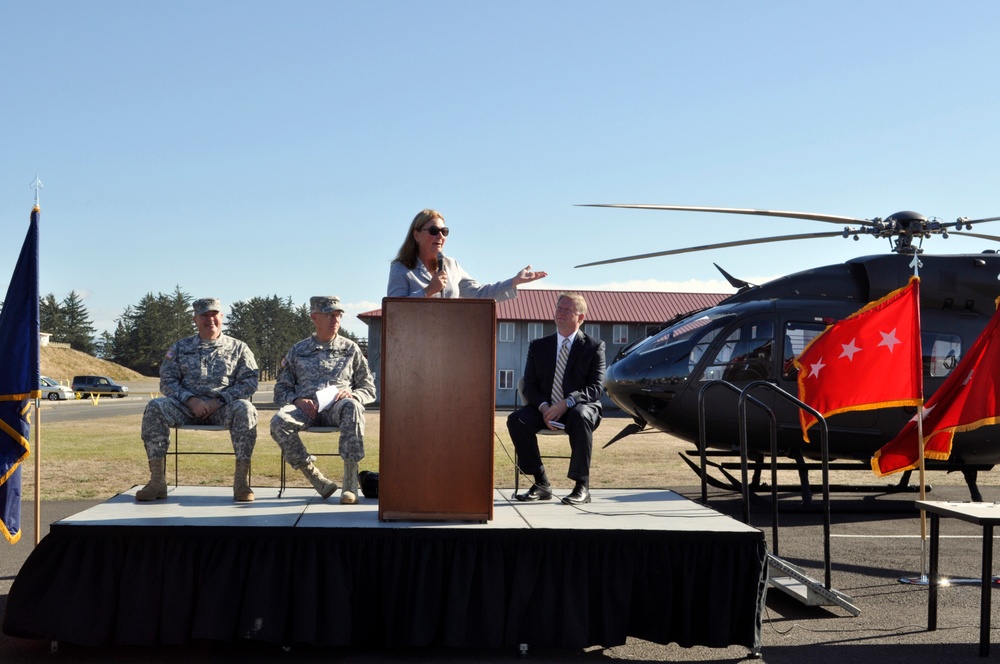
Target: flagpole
37, 185
921, 467
923, 495
38, 472
920, 445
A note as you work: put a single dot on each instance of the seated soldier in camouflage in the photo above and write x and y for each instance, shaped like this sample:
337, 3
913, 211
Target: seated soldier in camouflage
324, 381
207, 378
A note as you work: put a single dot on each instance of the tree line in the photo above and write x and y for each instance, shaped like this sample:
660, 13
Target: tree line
145, 330
67, 321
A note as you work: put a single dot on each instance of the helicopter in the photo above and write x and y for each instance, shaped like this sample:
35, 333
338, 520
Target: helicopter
754, 335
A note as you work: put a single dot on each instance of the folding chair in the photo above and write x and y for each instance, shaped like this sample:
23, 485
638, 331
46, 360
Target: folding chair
196, 427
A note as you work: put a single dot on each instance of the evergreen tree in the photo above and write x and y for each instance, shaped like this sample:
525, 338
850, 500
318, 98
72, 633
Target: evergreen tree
181, 315
78, 331
145, 331
269, 326
67, 321
50, 317
104, 346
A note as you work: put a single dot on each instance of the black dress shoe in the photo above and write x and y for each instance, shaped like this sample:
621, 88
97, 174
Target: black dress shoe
580, 495
536, 492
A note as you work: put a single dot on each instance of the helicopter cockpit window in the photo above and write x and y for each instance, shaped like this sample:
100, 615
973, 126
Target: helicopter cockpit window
684, 330
797, 337
941, 353
745, 354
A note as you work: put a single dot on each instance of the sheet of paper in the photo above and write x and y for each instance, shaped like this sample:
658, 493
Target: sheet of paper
326, 396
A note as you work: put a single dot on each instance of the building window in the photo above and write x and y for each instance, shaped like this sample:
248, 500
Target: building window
536, 331
619, 334
592, 330
505, 379
506, 333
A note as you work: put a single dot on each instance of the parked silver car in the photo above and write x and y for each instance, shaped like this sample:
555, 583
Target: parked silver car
53, 391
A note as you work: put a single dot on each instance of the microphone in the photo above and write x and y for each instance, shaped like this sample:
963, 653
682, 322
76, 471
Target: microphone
440, 261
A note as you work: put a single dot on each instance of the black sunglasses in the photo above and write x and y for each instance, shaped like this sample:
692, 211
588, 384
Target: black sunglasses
435, 230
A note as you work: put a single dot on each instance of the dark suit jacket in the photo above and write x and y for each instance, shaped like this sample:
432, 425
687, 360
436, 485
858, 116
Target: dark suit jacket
584, 376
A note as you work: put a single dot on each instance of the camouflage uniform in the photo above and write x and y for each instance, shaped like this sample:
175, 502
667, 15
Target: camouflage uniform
222, 368
308, 367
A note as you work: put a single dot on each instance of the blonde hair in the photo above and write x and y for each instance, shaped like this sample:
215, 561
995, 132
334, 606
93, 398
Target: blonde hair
408, 252
576, 299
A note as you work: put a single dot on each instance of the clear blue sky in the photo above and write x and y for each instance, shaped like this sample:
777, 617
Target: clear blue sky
251, 148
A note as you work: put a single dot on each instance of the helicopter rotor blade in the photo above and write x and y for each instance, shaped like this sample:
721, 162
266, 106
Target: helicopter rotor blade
979, 235
722, 245
811, 216
979, 221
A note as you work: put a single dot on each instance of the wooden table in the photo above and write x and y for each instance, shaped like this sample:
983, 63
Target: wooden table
986, 515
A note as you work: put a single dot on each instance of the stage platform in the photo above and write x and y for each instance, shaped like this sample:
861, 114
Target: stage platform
294, 570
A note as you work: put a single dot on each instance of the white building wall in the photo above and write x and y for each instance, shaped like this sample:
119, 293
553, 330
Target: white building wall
509, 356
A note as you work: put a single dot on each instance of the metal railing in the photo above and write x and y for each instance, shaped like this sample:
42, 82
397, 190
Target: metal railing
744, 398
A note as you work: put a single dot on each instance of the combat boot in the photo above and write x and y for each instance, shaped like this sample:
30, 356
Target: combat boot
322, 485
349, 495
242, 493
157, 487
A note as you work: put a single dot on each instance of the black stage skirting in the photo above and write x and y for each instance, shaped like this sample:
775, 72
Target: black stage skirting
646, 564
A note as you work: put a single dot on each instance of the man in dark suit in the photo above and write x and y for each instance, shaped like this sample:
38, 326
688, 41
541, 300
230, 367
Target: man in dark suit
573, 403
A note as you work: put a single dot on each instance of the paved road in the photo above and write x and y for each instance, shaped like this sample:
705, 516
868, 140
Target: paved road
875, 542
139, 395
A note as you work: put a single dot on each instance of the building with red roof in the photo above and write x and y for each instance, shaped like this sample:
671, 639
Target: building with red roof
619, 318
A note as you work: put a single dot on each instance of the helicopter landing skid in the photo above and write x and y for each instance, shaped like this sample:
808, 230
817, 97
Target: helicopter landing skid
734, 483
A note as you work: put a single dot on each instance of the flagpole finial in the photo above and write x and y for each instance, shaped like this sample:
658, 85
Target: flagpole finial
37, 185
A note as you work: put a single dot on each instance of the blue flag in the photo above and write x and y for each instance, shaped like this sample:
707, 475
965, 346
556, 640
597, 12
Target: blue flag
19, 374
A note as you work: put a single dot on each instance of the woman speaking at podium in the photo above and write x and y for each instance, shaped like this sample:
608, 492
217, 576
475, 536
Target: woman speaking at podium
421, 269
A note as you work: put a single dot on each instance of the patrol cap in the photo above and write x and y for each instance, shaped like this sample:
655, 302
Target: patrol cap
206, 304
324, 304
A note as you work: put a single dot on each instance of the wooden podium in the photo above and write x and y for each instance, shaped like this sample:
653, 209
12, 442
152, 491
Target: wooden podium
438, 404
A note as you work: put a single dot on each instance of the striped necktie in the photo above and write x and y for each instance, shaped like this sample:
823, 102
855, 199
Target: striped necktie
557, 380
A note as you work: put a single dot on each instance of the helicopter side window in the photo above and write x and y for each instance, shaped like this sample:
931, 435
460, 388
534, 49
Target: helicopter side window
797, 337
744, 355
941, 353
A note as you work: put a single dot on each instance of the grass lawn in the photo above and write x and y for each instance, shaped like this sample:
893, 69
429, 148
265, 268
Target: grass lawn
97, 459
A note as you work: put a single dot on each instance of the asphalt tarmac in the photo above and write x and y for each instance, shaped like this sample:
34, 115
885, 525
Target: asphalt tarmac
875, 543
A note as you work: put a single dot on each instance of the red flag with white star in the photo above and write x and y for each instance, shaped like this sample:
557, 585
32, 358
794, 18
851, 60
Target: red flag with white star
871, 359
967, 399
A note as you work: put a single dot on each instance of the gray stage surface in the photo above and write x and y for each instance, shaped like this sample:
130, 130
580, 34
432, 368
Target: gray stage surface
611, 509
